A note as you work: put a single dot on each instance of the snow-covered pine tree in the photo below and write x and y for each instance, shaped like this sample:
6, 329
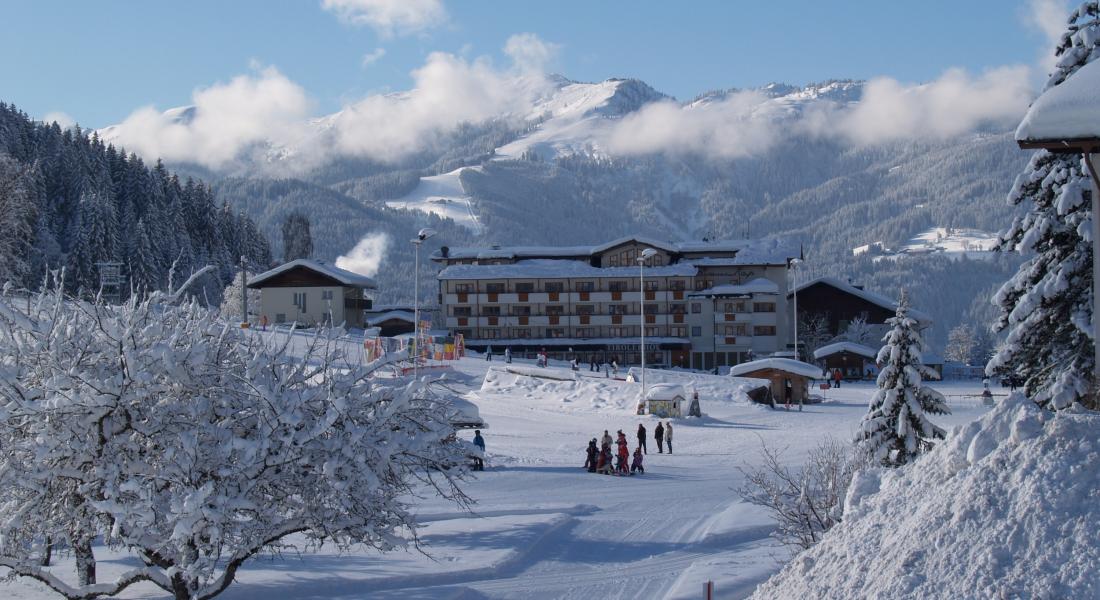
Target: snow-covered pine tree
1046, 308
896, 429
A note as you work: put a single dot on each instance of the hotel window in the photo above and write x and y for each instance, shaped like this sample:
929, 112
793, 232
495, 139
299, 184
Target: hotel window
586, 309
651, 285
490, 311
676, 285
617, 286
616, 309
494, 288
326, 294
521, 311
585, 286
617, 331
677, 331
464, 288
763, 307
525, 287
677, 309
462, 311
555, 332
696, 308
466, 333
522, 332
490, 334
553, 286
585, 332
734, 307
696, 331
739, 330
702, 284
555, 310
653, 331
763, 330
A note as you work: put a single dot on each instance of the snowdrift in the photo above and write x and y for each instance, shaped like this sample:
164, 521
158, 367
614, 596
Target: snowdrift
1006, 507
562, 387
710, 387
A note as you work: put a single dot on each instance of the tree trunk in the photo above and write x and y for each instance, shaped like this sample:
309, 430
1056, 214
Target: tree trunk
47, 552
85, 561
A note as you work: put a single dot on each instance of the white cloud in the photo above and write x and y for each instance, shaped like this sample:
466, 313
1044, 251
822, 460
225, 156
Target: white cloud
1047, 17
389, 17
530, 53
748, 123
366, 257
223, 121
63, 120
374, 56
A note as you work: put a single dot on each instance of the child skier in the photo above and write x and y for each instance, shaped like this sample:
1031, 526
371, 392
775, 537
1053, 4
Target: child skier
637, 464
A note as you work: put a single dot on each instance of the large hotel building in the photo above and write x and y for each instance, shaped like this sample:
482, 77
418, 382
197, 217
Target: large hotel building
706, 303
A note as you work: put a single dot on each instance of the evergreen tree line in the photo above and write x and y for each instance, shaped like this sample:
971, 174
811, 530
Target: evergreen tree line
93, 203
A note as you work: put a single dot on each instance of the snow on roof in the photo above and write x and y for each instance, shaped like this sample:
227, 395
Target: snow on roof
779, 364
557, 269
1068, 111
749, 252
666, 391
852, 347
400, 315
559, 342
872, 297
342, 275
755, 286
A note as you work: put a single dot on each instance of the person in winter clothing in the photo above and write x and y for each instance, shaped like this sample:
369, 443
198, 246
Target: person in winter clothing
787, 393
836, 378
659, 435
606, 439
573, 364
668, 436
592, 365
615, 367
591, 455
489, 353
479, 462
641, 438
604, 461
508, 355
637, 464
624, 459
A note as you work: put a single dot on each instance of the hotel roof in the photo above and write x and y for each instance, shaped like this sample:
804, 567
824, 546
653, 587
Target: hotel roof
557, 269
748, 252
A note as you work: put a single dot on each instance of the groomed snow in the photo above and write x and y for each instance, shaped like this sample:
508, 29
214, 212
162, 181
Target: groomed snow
444, 196
1006, 507
1068, 111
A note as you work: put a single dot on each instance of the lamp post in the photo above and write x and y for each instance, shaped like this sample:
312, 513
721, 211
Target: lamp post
422, 235
795, 263
647, 254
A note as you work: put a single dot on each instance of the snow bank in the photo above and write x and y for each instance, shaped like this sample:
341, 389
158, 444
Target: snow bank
558, 386
1006, 507
710, 387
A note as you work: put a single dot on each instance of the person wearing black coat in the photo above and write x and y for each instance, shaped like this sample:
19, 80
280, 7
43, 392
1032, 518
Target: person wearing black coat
641, 438
592, 455
659, 435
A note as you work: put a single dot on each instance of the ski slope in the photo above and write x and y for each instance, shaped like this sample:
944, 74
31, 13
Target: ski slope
542, 527
444, 196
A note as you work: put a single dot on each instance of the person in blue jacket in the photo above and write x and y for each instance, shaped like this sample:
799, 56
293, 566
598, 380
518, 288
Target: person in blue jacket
479, 463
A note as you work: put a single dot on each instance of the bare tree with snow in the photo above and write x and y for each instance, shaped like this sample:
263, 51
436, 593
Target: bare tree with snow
896, 429
197, 446
962, 344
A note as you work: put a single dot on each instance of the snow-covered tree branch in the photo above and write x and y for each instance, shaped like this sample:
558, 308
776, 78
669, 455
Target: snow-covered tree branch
162, 430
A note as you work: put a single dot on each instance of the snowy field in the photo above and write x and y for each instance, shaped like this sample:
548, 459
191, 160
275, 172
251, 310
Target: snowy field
545, 528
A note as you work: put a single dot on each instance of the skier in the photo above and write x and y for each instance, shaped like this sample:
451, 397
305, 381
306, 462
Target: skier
508, 355
604, 464
659, 435
624, 457
641, 438
637, 464
836, 378
479, 463
592, 452
668, 436
606, 439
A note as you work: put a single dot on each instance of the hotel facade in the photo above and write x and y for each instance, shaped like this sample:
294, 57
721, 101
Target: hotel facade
707, 304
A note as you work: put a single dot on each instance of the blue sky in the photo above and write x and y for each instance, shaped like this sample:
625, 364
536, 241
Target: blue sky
99, 61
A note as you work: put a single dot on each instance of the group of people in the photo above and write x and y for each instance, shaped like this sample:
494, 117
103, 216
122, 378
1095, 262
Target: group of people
600, 459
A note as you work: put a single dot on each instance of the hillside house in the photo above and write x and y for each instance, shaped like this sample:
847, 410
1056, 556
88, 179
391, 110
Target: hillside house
310, 293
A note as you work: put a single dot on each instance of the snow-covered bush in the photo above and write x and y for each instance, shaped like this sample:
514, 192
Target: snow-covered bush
1046, 308
196, 445
807, 501
895, 429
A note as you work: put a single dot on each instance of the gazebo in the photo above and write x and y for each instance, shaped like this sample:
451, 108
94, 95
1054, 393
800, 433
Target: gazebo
779, 371
1066, 119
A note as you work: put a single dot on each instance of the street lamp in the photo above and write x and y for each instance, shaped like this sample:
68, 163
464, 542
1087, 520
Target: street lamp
647, 254
422, 235
795, 263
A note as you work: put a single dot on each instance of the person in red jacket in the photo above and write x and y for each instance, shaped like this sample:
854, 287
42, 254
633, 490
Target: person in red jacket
624, 457
836, 377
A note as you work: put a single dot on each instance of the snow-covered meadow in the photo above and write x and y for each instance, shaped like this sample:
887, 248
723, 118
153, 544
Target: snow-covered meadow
542, 527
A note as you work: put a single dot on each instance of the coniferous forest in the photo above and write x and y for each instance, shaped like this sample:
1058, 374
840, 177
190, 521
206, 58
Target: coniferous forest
84, 202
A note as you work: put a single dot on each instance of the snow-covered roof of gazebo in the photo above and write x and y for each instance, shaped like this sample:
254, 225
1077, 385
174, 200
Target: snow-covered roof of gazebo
779, 364
852, 347
1065, 112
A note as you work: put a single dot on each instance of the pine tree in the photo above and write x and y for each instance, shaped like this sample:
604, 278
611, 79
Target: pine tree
1046, 308
895, 429
297, 241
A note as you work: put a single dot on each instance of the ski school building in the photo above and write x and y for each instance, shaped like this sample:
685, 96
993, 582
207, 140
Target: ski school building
707, 304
